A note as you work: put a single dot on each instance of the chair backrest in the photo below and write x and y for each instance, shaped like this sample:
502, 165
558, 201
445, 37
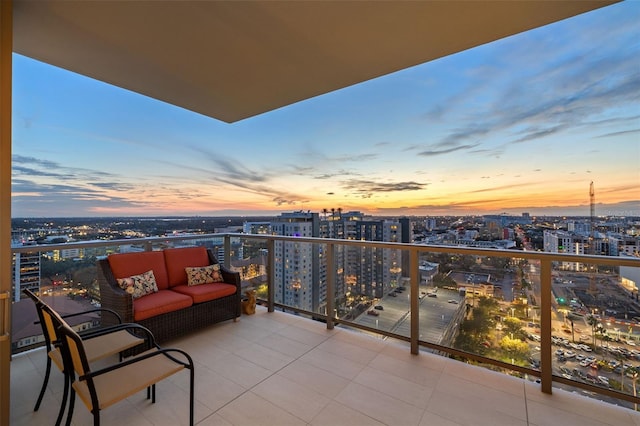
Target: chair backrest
76, 361
73, 349
48, 329
70, 342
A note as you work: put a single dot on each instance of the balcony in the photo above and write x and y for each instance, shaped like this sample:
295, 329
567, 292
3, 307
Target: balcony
380, 369
281, 369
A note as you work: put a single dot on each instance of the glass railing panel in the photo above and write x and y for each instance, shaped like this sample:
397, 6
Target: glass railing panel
595, 323
296, 277
370, 288
250, 257
65, 279
482, 305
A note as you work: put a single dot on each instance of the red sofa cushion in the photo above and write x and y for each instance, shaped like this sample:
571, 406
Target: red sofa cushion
205, 292
159, 303
177, 259
124, 265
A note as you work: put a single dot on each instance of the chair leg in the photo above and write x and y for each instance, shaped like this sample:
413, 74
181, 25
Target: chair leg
65, 394
191, 396
153, 394
72, 399
44, 384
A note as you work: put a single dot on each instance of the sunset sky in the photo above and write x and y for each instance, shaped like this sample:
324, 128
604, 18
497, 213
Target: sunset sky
523, 124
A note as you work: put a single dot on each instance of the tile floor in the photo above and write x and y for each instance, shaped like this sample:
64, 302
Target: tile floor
281, 369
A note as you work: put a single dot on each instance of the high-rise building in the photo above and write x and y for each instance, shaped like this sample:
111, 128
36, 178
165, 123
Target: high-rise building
26, 273
298, 280
301, 268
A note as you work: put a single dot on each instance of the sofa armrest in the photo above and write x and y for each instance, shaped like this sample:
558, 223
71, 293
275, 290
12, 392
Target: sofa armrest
111, 295
229, 276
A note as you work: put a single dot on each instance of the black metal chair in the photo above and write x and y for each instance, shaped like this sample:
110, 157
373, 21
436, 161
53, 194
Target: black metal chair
103, 387
101, 343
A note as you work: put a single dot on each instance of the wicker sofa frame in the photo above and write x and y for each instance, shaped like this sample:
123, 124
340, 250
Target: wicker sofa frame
174, 324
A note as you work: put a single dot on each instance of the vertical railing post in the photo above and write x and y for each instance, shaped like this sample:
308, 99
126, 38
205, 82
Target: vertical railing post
331, 284
227, 251
545, 326
414, 293
148, 246
271, 271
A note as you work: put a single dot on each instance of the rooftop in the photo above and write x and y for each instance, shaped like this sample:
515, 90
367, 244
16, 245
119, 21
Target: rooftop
281, 369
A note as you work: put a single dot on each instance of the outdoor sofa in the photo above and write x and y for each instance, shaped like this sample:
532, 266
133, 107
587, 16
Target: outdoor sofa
179, 302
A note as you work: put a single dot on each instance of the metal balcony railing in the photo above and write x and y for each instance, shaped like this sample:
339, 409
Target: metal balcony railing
516, 313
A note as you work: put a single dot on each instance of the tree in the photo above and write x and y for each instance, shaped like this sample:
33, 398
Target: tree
571, 317
516, 348
512, 324
633, 373
593, 322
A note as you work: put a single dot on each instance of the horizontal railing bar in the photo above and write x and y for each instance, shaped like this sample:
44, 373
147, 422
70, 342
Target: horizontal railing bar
421, 248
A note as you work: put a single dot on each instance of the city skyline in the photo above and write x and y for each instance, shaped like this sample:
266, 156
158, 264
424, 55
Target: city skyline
523, 124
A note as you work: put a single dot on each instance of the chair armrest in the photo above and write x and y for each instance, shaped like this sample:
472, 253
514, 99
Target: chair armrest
133, 327
111, 311
161, 351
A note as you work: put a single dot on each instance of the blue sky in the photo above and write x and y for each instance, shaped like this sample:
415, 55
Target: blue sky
523, 124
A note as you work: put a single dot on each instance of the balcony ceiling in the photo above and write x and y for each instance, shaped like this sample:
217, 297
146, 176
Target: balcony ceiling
233, 60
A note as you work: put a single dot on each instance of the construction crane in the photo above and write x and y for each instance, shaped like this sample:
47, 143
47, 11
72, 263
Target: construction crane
592, 239
592, 234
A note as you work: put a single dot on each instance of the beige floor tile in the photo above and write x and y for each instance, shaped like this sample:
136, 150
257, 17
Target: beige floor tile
395, 386
264, 357
285, 345
348, 350
303, 335
432, 419
335, 414
211, 388
409, 368
202, 347
379, 405
545, 415
333, 363
214, 420
474, 412
262, 319
297, 399
542, 407
252, 410
510, 401
317, 379
227, 340
484, 376
364, 340
124, 412
240, 371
